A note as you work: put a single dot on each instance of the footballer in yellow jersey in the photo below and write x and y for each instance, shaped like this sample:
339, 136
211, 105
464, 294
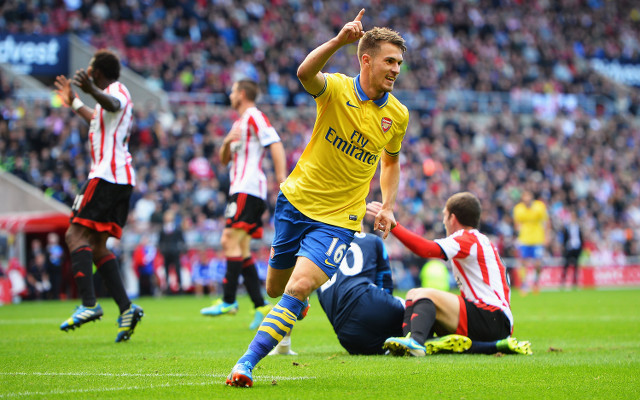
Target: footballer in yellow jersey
331, 180
532, 221
321, 204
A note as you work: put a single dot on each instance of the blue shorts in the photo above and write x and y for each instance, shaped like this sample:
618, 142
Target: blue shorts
300, 236
531, 251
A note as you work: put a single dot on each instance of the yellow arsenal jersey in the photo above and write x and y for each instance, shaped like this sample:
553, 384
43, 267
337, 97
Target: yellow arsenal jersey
331, 179
531, 221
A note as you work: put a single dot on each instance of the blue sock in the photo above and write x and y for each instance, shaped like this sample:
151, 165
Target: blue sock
483, 347
277, 323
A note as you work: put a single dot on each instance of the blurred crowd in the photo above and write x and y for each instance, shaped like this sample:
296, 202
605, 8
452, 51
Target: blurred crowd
572, 158
201, 46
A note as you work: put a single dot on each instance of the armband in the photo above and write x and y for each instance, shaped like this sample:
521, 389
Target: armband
77, 104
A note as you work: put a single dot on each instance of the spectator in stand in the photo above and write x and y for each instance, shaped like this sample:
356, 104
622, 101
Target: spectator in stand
38, 284
172, 245
55, 259
573, 242
145, 262
202, 273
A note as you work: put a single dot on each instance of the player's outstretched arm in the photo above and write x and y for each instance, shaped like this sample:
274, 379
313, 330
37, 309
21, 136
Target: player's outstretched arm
417, 244
310, 70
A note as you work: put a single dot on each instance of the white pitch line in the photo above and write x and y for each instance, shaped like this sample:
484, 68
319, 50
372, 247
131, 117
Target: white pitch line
32, 321
114, 389
136, 387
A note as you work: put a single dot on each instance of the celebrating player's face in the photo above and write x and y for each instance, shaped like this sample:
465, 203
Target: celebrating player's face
385, 67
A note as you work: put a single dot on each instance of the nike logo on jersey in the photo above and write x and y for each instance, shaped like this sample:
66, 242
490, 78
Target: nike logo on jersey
351, 105
326, 261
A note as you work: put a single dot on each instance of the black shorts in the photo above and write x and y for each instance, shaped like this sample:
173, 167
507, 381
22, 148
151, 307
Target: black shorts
102, 206
484, 324
244, 211
375, 317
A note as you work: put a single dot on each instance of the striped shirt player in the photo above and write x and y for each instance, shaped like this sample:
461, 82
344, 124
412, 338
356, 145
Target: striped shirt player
246, 172
109, 139
244, 149
101, 208
479, 273
482, 311
111, 177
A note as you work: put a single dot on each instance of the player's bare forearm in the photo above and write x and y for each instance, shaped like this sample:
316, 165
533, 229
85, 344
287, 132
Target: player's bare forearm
225, 149
108, 102
310, 70
225, 152
86, 113
389, 181
279, 161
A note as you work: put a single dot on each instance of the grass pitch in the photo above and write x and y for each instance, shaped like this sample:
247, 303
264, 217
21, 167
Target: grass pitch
585, 343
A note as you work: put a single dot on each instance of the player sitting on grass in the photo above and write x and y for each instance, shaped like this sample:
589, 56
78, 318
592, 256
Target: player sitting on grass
481, 312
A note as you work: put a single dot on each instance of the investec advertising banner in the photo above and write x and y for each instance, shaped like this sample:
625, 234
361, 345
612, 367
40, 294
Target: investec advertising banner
36, 54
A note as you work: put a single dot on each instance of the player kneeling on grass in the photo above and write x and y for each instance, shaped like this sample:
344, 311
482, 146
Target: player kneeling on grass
480, 313
358, 299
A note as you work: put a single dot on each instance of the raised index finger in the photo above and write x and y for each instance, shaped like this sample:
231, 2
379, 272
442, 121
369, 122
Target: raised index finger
360, 14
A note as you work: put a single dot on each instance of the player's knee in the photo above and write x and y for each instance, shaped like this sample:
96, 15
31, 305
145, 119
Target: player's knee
274, 290
301, 288
230, 243
74, 239
421, 293
225, 240
69, 238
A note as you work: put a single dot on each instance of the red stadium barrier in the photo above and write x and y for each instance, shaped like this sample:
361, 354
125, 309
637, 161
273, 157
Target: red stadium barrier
5, 291
591, 276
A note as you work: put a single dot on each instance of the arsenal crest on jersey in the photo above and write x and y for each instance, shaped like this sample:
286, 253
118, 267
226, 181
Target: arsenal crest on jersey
386, 124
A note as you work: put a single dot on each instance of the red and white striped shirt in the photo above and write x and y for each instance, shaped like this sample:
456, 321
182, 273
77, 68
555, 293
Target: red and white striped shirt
479, 272
247, 154
109, 139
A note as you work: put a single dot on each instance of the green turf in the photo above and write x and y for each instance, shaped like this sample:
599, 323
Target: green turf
585, 343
